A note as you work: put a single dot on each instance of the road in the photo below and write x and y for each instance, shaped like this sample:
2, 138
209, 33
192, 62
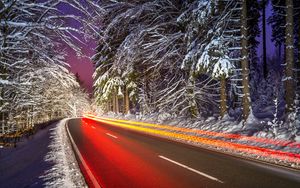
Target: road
121, 158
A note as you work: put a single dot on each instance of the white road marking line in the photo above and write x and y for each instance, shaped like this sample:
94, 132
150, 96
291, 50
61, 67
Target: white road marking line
191, 169
111, 135
93, 127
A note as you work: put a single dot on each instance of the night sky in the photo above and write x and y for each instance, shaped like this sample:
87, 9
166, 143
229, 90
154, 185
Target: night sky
81, 65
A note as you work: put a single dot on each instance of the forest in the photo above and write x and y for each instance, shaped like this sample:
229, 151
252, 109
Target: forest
199, 59
181, 59
35, 83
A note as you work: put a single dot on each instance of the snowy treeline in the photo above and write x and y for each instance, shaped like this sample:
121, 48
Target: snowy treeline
149, 54
35, 84
192, 58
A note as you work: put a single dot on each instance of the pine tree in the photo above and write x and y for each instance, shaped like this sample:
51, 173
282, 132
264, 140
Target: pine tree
264, 4
126, 101
297, 36
253, 13
180, 52
139, 53
254, 16
34, 80
277, 21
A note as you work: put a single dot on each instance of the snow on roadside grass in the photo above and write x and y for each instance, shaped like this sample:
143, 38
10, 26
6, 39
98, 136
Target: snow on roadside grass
65, 172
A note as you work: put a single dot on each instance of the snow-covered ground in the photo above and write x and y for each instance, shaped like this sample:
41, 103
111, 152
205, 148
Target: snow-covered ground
65, 172
44, 160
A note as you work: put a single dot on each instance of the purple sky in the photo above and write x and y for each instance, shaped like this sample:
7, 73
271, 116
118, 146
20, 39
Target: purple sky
82, 66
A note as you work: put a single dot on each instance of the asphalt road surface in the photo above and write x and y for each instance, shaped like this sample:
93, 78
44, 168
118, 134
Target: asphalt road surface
121, 158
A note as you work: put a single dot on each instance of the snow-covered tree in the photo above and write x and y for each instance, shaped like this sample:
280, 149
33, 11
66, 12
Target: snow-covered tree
33, 35
167, 53
125, 57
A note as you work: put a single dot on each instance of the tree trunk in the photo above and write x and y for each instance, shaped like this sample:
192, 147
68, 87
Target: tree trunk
32, 118
3, 76
114, 102
107, 106
298, 64
117, 104
191, 96
126, 101
2, 114
289, 47
223, 103
265, 66
3, 123
245, 62
27, 119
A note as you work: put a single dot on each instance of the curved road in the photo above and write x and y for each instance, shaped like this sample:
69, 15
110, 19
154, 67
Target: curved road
121, 158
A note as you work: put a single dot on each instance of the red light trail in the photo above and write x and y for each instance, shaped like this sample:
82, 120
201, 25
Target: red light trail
164, 131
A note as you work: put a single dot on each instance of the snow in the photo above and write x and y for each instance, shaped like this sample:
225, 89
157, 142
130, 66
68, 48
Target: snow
35, 78
65, 172
5, 82
44, 159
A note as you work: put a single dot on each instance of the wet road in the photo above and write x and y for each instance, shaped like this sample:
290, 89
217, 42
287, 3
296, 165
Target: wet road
121, 158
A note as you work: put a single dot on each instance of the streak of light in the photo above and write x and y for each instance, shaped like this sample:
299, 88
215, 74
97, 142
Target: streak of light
275, 142
241, 148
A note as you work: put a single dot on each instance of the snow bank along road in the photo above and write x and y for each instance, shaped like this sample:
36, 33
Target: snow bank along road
118, 157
